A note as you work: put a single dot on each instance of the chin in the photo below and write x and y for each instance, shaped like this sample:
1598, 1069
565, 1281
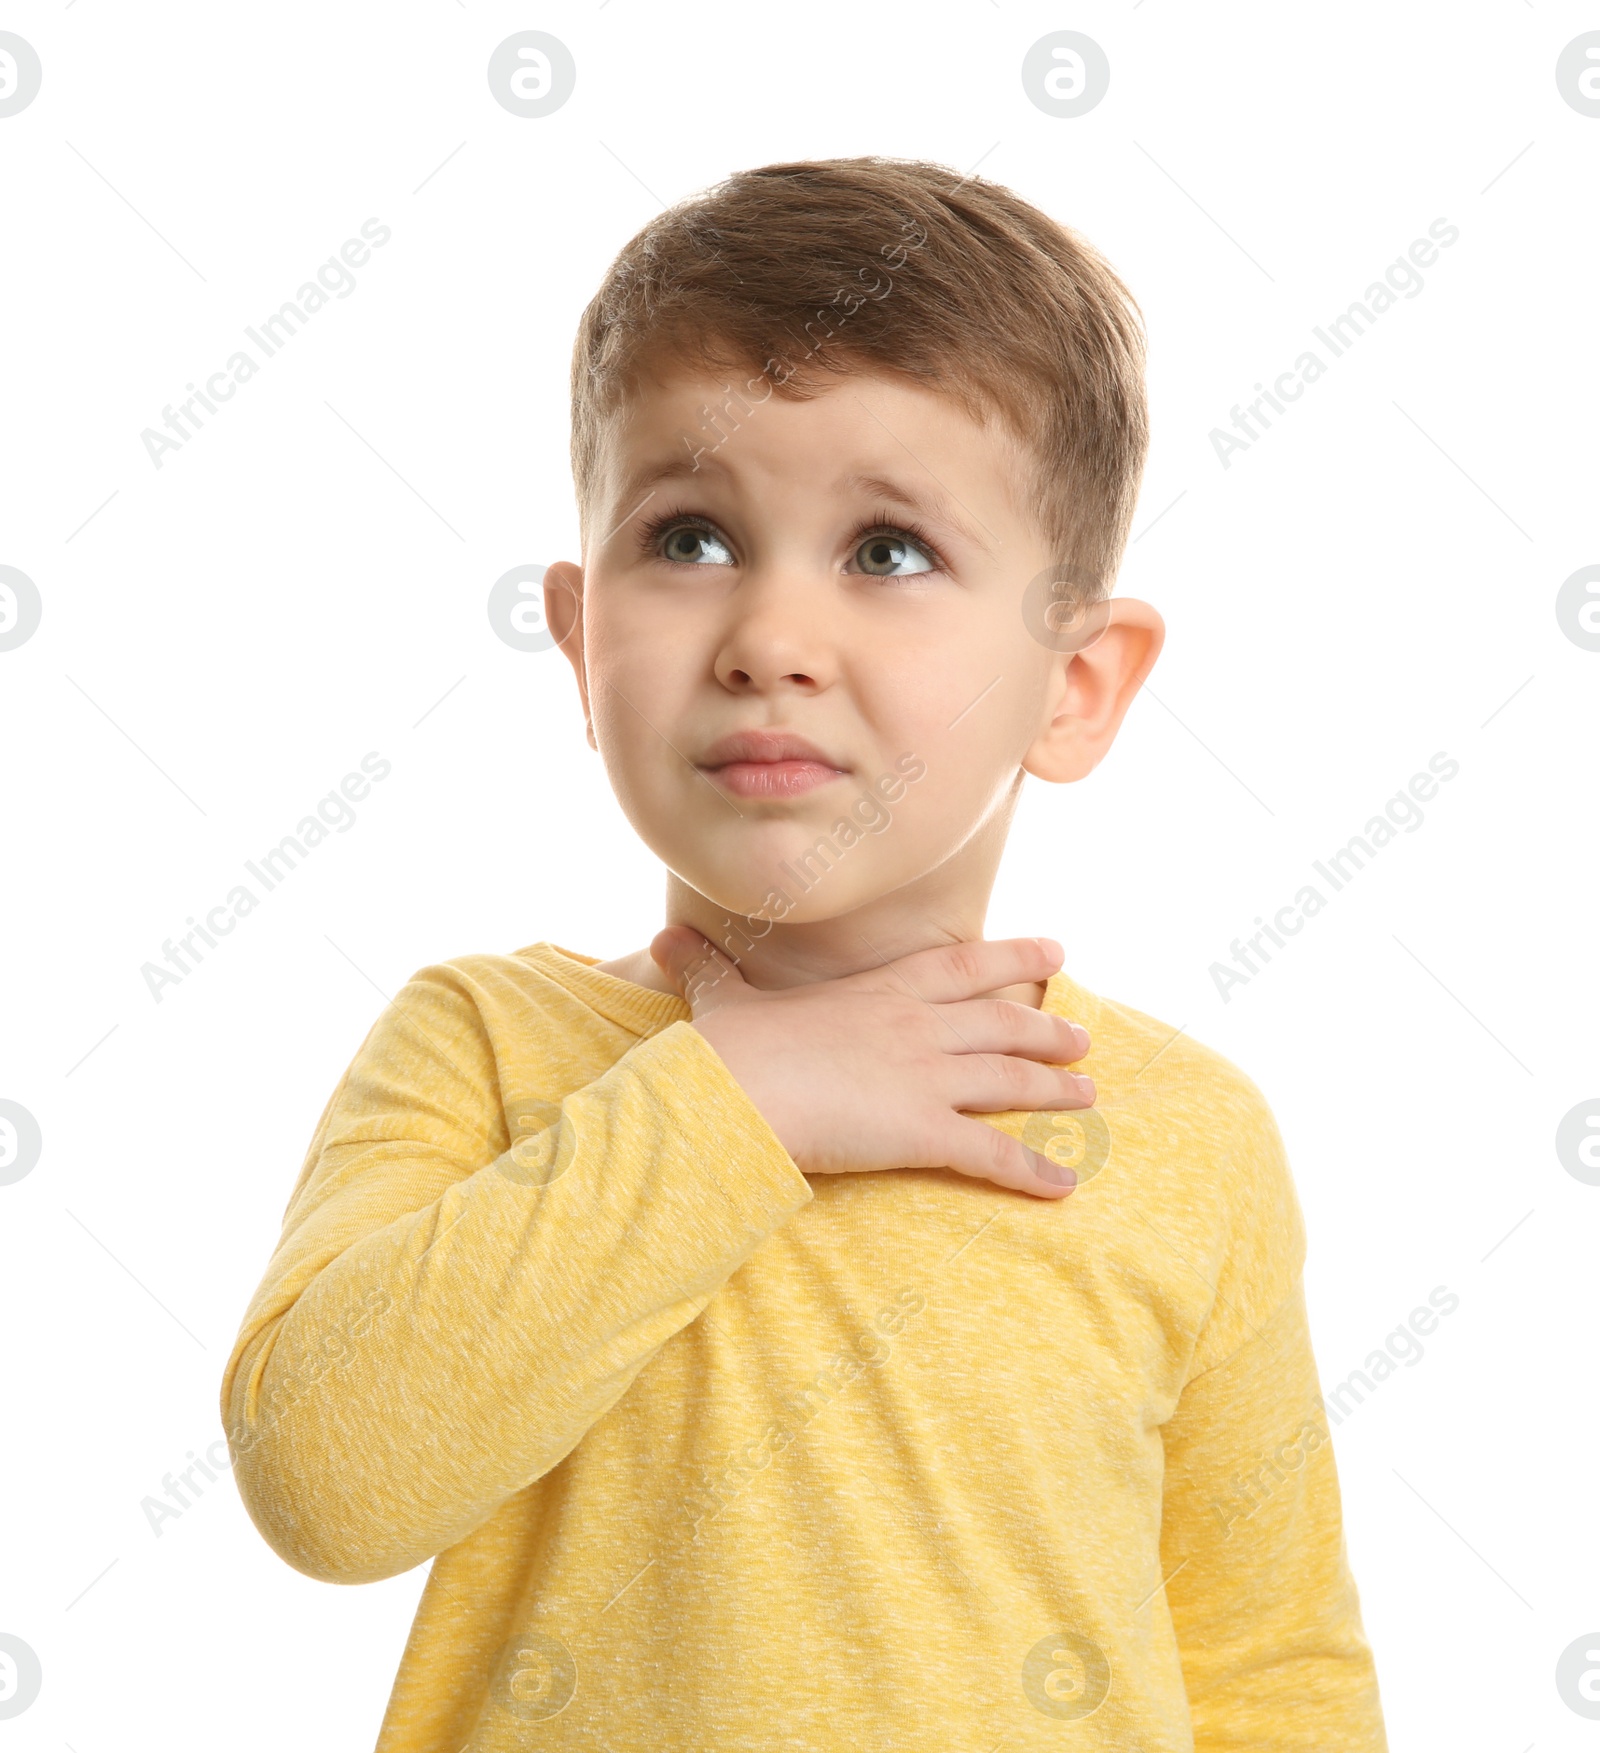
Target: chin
771, 889
751, 893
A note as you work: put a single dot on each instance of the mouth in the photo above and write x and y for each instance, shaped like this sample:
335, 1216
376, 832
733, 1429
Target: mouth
768, 764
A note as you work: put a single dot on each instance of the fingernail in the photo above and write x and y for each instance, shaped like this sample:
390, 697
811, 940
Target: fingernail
1050, 947
1086, 1084
1057, 1174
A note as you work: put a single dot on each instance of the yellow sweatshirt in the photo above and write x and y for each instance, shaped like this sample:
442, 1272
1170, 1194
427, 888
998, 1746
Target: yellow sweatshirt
715, 1457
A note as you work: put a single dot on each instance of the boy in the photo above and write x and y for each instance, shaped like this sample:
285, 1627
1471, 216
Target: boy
771, 1338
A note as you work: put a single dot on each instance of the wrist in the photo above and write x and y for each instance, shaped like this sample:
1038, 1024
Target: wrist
729, 1037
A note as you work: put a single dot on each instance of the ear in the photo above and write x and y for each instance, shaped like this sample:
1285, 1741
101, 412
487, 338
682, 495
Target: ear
563, 615
1091, 687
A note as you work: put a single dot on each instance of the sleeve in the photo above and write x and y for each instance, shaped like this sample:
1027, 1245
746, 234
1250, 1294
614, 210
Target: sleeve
443, 1320
1259, 1587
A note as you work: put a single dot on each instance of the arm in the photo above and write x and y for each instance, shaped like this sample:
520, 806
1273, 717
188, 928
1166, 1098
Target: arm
443, 1320
1260, 1592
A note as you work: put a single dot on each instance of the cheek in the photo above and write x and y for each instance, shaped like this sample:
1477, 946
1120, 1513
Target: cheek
638, 677
972, 743
957, 718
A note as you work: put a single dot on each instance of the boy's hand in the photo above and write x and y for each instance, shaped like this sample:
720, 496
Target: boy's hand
868, 1071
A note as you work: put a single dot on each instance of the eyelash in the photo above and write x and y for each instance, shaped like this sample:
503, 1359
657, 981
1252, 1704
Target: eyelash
656, 527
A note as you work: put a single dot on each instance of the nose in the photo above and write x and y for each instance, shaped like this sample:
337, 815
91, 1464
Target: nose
779, 635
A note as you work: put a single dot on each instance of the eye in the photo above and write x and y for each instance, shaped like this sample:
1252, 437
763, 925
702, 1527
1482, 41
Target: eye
892, 554
692, 544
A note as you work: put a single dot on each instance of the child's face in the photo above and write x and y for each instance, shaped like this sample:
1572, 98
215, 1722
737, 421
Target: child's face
785, 595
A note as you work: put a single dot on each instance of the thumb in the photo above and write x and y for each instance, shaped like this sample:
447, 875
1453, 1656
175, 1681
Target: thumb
704, 976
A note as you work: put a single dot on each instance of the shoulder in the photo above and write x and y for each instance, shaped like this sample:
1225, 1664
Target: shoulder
1198, 1122
461, 1012
486, 981
1218, 1157
1139, 1060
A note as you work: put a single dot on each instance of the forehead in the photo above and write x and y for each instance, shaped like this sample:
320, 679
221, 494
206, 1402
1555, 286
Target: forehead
868, 433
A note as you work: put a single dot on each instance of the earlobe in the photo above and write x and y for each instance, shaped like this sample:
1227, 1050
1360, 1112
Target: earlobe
1092, 689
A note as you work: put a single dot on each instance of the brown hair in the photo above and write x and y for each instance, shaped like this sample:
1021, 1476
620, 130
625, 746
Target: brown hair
894, 265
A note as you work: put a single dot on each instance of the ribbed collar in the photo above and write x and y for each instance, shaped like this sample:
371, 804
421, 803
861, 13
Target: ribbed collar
644, 1011
640, 1009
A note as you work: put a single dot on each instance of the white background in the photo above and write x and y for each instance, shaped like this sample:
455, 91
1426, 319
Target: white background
224, 638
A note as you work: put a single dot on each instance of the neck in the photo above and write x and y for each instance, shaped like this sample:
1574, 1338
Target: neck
945, 906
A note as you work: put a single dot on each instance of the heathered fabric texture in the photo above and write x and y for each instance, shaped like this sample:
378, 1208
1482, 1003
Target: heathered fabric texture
712, 1456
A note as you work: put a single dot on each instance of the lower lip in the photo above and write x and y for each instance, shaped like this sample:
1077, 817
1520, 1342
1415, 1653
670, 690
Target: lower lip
773, 778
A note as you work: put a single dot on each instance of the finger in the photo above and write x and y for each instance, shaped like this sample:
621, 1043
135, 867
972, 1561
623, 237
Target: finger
987, 1154
704, 976
996, 1083
997, 1025
962, 970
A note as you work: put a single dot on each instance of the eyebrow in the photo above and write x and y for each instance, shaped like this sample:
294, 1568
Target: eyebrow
649, 475
926, 504
640, 487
